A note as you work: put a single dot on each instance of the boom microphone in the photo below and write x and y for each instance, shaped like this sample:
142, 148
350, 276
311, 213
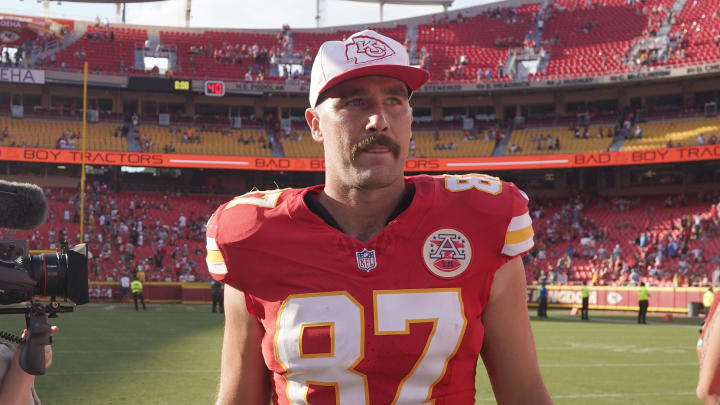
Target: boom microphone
22, 205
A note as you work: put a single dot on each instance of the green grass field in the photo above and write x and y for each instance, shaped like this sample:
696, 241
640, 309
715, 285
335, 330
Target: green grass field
171, 355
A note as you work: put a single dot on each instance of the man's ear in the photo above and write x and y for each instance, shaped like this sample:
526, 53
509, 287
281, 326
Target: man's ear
313, 121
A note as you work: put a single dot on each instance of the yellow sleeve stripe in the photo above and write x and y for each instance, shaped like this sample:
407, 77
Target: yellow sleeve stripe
214, 256
518, 248
521, 235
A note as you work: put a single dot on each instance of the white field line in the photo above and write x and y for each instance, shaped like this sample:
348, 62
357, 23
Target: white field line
609, 395
124, 372
610, 365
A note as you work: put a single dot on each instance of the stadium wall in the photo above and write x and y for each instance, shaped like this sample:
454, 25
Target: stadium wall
662, 299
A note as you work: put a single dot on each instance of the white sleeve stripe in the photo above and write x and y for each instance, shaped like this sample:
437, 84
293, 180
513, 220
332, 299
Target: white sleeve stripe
517, 248
211, 244
216, 268
519, 222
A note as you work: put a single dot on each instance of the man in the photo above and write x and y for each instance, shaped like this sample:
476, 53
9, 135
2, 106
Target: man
137, 291
124, 287
584, 315
373, 288
708, 352
217, 301
16, 385
542, 299
643, 297
707, 299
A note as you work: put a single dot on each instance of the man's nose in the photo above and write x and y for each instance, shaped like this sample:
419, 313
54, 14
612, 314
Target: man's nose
377, 121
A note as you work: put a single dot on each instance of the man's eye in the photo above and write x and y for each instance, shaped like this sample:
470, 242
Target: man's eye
394, 101
356, 102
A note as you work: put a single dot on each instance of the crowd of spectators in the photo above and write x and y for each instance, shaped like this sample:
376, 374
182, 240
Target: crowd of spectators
119, 231
662, 251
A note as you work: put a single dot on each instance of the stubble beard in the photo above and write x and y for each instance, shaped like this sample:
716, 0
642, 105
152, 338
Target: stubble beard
374, 177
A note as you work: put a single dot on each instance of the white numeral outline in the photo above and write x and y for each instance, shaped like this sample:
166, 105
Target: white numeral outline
420, 306
266, 199
483, 182
344, 312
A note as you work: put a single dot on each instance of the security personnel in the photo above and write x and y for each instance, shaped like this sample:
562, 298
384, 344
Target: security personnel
585, 302
542, 302
643, 297
708, 299
217, 298
137, 291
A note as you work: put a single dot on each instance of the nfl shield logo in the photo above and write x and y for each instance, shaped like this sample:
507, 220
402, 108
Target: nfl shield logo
366, 260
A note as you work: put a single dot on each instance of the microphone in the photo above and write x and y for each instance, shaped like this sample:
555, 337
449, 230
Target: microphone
22, 205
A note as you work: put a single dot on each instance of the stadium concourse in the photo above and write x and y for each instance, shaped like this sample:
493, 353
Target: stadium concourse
575, 38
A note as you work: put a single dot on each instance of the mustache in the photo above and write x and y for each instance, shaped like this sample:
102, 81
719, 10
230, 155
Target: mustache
373, 140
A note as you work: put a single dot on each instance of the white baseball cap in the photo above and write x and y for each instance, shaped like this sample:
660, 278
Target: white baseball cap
365, 53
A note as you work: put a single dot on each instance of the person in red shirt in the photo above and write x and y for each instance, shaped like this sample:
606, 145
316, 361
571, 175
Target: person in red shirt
374, 288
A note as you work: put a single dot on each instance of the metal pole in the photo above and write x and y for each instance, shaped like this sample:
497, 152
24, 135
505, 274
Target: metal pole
82, 156
188, 11
382, 3
317, 13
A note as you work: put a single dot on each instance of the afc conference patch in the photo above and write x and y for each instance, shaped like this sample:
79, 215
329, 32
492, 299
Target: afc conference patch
366, 260
447, 253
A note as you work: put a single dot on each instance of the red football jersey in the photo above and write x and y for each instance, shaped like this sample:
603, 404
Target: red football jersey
395, 319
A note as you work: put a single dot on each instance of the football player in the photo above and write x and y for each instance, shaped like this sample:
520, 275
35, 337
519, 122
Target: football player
373, 288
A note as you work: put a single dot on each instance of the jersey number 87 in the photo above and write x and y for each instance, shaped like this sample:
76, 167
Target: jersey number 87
393, 312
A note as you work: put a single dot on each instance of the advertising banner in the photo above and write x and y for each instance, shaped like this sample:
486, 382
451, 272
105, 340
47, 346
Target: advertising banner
71, 156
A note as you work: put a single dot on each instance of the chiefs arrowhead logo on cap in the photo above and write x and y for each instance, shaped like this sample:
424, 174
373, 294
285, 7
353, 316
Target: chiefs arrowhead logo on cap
364, 49
365, 53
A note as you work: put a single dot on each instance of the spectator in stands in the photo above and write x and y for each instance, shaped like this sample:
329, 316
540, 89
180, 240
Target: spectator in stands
514, 148
713, 140
549, 140
638, 132
701, 140
617, 251
557, 142
602, 253
539, 141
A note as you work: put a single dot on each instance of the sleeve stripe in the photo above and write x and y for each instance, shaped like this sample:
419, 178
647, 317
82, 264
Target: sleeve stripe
519, 236
520, 222
217, 268
518, 248
212, 244
214, 256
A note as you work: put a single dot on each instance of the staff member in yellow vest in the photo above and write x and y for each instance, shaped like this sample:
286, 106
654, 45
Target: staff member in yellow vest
585, 302
708, 298
643, 298
137, 291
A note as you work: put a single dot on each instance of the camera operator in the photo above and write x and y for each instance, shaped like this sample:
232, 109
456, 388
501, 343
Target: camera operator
17, 386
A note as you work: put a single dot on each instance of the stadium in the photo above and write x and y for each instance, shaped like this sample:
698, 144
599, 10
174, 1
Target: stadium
603, 111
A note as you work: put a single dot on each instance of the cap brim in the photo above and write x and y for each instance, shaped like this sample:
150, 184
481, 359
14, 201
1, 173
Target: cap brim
413, 77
